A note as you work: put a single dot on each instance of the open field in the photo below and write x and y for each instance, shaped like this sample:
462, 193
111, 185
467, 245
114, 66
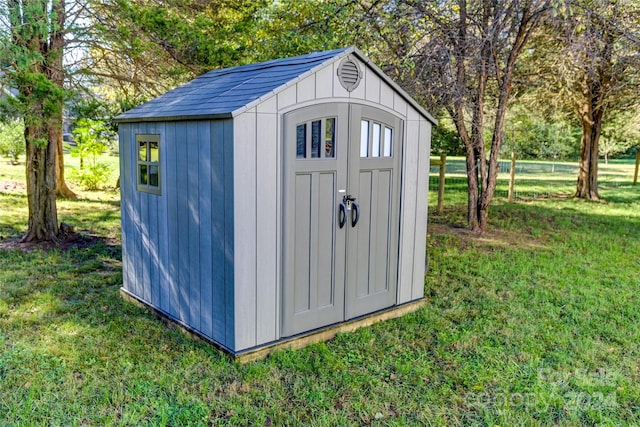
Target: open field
537, 322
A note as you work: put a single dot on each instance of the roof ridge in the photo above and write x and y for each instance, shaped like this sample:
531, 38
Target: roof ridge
278, 62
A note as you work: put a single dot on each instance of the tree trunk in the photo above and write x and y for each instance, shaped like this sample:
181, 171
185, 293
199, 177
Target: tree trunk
587, 187
41, 185
62, 190
55, 73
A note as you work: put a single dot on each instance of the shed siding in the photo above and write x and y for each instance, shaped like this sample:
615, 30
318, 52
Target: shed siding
244, 178
170, 259
267, 228
422, 194
324, 83
372, 86
171, 301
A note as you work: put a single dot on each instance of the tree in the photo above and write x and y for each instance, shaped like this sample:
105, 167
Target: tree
589, 57
33, 55
466, 61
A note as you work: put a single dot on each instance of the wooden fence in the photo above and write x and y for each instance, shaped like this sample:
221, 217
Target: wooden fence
511, 194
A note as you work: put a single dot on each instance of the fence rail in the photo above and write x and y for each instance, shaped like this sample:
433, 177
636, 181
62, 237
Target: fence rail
518, 179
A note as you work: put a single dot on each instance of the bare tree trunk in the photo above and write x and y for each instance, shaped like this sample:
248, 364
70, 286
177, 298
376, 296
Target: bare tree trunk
587, 187
41, 184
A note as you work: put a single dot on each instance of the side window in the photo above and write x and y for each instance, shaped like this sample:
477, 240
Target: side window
376, 139
148, 163
316, 139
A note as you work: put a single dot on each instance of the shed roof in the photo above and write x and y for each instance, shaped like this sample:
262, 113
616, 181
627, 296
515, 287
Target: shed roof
226, 92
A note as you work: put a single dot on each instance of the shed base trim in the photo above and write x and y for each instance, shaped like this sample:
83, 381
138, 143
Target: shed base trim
295, 342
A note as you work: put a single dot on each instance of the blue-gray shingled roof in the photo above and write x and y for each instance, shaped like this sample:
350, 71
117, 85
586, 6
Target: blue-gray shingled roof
219, 93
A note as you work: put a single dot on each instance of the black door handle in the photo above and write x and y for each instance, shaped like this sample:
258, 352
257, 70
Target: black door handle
342, 215
355, 214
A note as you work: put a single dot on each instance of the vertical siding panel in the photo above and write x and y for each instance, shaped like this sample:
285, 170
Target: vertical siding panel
324, 83
229, 234
306, 89
268, 106
400, 105
386, 95
138, 217
218, 250
266, 228
172, 298
126, 187
163, 231
372, 86
408, 211
183, 218
154, 234
143, 255
422, 194
244, 132
193, 188
286, 98
204, 207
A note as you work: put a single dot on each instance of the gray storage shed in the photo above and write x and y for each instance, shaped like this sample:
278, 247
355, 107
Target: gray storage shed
268, 201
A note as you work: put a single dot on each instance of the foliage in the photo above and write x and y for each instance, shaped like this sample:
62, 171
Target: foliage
525, 326
447, 141
92, 177
532, 137
12, 144
619, 135
92, 138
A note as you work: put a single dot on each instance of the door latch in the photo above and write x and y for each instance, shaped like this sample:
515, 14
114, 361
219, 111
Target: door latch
348, 200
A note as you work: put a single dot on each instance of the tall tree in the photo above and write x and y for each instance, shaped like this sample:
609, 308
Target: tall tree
602, 44
33, 56
587, 68
466, 62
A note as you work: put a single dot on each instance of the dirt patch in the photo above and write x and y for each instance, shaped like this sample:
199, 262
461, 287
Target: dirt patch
491, 237
67, 239
12, 186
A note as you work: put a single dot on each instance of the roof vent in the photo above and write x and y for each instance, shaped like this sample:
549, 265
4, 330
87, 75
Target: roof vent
349, 74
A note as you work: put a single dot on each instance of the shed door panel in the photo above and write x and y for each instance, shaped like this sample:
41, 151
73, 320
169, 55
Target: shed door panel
331, 273
315, 141
372, 244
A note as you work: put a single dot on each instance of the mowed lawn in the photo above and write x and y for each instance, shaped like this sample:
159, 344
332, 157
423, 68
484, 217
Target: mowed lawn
537, 322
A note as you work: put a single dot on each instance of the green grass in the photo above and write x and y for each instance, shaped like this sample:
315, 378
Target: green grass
535, 323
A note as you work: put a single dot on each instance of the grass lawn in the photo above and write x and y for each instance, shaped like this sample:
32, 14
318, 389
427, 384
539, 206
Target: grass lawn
535, 323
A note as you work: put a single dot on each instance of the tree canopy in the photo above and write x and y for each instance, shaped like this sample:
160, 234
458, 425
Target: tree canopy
528, 72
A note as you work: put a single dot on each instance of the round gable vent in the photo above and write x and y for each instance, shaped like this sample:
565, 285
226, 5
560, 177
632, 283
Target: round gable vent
349, 74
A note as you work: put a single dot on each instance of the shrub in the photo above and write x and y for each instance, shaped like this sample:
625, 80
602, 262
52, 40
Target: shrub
12, 144
92, 177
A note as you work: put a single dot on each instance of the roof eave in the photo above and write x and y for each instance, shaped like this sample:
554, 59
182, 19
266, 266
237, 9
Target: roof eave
179, 118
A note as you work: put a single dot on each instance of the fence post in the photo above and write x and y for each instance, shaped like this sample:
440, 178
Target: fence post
635, 176
443, 167
512, 177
